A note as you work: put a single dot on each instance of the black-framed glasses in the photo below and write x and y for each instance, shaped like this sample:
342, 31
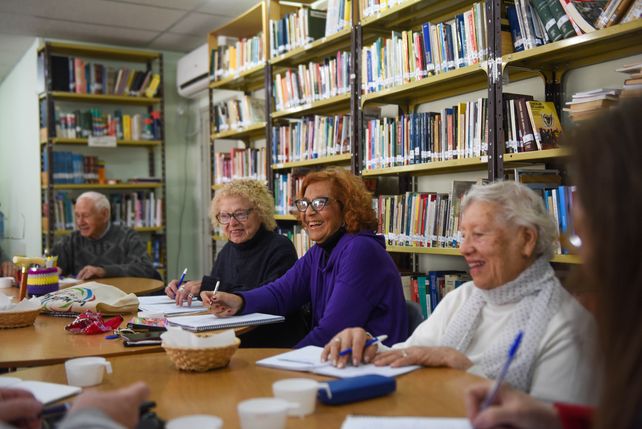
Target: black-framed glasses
240, 216
317, 204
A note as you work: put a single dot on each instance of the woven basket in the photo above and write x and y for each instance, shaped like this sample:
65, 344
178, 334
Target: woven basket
18, 319
201, 360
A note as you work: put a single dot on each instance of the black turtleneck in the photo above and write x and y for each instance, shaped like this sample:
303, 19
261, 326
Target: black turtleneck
332, 241
245, 266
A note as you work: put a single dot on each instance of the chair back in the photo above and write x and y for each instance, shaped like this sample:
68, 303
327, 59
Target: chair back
415, 316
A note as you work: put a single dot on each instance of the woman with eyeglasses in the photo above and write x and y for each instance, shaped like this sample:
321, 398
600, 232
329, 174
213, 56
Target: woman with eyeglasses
347, 277
253, 256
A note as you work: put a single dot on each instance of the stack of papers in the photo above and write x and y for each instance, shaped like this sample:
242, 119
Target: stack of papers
308, 359
164, 306
209, 322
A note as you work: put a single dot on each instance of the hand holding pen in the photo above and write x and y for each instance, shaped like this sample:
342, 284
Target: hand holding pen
351, 343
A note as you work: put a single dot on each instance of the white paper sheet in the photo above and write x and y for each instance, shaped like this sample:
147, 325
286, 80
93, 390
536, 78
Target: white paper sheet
369, 422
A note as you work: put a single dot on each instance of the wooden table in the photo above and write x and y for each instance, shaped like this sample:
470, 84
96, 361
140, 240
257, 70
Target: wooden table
437, 392
135, 285
47, 342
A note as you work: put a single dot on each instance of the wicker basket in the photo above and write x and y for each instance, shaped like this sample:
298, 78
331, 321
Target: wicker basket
18, 319
201, 360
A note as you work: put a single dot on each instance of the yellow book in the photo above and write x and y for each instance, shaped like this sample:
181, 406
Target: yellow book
130, 81
545, 122
127, 127
153, 86
233, 64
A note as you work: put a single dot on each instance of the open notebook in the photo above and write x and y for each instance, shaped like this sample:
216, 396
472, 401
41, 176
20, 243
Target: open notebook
164, 306
209, 322
44, 392
368, 422
308, 359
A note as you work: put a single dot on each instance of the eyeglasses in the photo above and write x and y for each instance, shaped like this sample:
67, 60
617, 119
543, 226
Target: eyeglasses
239, 215
317, 204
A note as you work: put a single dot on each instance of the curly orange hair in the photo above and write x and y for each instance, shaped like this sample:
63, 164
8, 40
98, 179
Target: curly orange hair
351, 192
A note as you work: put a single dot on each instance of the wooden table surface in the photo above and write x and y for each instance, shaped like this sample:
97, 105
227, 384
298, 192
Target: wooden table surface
47, 342
436, 392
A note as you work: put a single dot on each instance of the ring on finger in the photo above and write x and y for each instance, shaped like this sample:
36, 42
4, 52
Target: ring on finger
191, 295
404, 353
337, 339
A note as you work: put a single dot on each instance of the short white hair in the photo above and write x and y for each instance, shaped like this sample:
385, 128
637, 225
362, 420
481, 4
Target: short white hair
518, 206
100, 201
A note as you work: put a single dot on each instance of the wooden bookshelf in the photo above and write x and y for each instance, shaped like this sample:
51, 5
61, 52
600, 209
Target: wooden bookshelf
325, 46
103, 98
334, 159
246, 80
141, 229
97, 187
251, 131
453, 251
436, 167
103, 52
59, 141
332, 104
536, 155
153, 162
411, 13
286, 217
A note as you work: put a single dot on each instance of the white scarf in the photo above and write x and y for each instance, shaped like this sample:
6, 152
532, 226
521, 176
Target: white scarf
537, 294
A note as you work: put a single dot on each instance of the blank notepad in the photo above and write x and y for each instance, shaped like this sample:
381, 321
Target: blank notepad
44, 392
209, 322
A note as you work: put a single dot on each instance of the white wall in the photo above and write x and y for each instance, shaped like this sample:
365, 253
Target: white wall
19, 160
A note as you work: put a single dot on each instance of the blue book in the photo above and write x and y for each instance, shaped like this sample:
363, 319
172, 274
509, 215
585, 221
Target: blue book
430, 67
461, 41
513, 23
562, 212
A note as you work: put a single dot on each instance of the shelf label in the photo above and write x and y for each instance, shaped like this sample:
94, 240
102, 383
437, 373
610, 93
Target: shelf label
103, 141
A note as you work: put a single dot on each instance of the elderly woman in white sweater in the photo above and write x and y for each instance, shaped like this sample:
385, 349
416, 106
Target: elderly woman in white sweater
508, 239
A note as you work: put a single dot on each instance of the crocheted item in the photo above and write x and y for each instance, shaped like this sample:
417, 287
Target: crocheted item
537, 292
42, 281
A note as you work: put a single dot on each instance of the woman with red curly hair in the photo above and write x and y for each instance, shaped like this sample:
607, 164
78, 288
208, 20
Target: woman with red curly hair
348, 278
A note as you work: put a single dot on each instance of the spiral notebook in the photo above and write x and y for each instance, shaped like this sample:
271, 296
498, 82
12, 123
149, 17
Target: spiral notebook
209, 322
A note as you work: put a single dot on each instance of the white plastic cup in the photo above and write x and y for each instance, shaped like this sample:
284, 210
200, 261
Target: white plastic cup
299, 391
87, 371
200, 421
263, 413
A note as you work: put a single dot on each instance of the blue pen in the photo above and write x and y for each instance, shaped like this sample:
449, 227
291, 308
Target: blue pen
180, 281
370, 342
490, 398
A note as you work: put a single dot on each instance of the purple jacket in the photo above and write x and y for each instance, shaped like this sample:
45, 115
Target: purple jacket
358, 286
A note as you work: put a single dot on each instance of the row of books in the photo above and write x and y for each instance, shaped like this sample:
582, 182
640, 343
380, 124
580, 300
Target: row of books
421, 219
339, 16
374, 7
233, 56
456, 132
430, 288
72, 168
530, 125
537, 22
240, 164
295, 30
286, 188
136, 209
311, 137
73, 74
299, 237
412, 55
238, 113
133, 209
95, 122
312, 82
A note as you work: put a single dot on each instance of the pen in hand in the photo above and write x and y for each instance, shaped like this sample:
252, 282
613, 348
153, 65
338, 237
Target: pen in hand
490, 398
368, 343
218, 282
180, 281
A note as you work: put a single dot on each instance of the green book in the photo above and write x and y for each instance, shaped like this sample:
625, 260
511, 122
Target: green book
421, 291
548, 20
563, 23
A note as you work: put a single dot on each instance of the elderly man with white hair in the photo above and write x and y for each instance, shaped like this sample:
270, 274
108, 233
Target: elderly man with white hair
99, 249
508, 240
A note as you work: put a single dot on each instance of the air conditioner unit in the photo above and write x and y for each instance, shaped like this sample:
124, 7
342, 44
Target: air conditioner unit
192, 75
